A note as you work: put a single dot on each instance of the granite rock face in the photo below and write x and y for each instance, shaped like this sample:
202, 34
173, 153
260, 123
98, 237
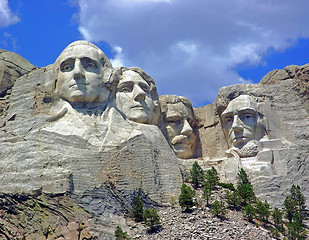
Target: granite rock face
101, 135
12, 66
279, 157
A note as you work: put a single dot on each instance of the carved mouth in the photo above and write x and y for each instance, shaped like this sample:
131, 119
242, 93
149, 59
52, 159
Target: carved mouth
138, 107
180, 139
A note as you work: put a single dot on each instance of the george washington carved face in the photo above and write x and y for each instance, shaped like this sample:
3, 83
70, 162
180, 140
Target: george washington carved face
80, 74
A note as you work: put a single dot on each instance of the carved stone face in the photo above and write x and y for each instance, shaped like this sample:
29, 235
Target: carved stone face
239, 121
80, 77
133, 97
180, 121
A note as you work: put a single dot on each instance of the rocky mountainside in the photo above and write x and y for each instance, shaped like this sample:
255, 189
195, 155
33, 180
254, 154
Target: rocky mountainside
80, 139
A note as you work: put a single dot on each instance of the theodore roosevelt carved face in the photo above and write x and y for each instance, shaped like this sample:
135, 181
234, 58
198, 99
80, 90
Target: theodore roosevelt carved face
180, 122
80, 73
137, 97
240, 122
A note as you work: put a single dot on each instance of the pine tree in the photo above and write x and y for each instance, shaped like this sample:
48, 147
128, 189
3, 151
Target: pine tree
138, 209
197, 175
263, 211
120, 235
249, 212
242, 177
207, 192
151, 218
245, 189
212, 177
218, 209
186, 197
233, 199
294, 203
296, 229
278, 221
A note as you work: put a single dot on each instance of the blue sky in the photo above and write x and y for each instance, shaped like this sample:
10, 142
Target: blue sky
190, 47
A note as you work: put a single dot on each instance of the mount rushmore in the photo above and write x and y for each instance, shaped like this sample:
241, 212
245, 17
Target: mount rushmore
102, 135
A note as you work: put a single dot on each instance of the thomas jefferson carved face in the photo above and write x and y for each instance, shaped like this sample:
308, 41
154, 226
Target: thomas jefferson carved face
239, 121
80, 76
133, 97
180, 122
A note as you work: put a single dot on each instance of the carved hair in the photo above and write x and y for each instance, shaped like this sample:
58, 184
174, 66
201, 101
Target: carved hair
173, 99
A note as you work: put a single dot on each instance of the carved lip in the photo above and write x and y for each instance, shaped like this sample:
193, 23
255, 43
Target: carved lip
78, 84
138, 107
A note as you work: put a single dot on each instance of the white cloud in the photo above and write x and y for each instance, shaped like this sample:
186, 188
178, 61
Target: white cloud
191, 47
6, 16
120, 59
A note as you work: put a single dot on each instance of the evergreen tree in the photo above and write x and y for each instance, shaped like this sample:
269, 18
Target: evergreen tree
212, 177
186, 197
197, 175
242, 177
207, 192
263, 210
244, 188
278, 221
246, 193
120, 235
218, 209
249, 212
296, 229
299, 198
233, 199
151, 218
138, 209
294, 203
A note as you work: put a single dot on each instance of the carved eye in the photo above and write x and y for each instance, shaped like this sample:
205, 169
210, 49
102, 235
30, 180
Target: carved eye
228, 119
248, 116
89, 64
67, 68
125, 89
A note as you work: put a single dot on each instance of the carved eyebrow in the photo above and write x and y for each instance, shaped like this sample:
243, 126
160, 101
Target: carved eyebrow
125, 84
174, 118
66, 61
247, 110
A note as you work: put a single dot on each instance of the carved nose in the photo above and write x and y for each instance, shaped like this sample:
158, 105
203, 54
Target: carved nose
78, 69
237, 124
186, 129
139, 94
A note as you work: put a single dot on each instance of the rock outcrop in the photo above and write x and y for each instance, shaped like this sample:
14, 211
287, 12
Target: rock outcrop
98, 136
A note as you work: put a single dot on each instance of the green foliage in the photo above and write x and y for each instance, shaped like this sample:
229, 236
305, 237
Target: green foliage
120, 235
228, 186
246, 194
207, 192
233, 199
263, 210
212, 177
186, 197
294, 203
197, 175
218, 209
249, 212
138, 209
242, 177
296, 229
278, 220
151, 218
